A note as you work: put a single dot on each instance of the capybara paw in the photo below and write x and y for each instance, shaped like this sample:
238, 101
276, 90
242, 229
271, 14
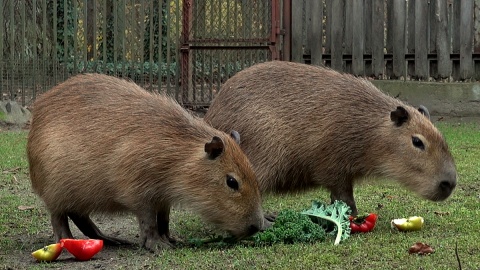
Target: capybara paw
158, 244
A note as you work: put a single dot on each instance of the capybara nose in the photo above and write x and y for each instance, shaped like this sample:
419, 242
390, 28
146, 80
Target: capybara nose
447, 186
253, 229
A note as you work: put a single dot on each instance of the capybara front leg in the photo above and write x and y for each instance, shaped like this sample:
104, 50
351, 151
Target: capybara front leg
88, 228
149, 231
345, 195
61, 229
163, 220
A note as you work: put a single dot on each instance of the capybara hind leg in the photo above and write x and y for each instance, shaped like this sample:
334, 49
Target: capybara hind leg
61, 229
88, 228
163, 220
149, 231
345, 195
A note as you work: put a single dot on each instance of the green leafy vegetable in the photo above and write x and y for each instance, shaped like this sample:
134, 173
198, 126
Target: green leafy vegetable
337, 213
309, 226
290, 227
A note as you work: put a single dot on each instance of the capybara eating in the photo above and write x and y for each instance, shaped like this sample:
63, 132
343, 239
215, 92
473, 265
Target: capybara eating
304, 126
100, 144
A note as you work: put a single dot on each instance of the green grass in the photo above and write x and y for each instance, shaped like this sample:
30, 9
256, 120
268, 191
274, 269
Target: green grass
457, 220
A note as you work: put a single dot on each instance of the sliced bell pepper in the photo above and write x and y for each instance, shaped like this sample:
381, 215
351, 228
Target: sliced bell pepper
363, 224
82, 249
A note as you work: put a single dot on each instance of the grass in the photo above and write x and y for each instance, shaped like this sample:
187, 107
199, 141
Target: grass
455, 221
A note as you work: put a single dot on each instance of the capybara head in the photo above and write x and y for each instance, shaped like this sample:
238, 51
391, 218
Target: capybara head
232, 201
418, 155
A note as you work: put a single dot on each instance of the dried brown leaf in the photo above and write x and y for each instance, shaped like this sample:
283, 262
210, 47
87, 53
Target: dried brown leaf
420, 249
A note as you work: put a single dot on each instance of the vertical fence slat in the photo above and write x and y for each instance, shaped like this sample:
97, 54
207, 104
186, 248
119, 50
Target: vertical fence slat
316, 11
454, 11
358, 38
389, 38
378, 34
476, 38
23, 49
411, 32
348, 33
442, 39
336, 34
2, 61
368, 28
297, 23
328, 27
398, 28
421, 39
432, 36
466, 37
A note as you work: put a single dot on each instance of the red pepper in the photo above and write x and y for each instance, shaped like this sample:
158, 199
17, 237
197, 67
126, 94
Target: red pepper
363, 224
82, 249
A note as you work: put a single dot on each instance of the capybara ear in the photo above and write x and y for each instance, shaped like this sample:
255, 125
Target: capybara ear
423, 110
236, 136
399, 116
214, 148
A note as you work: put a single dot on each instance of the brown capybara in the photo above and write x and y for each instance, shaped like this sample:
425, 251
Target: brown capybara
304, 126
100, 144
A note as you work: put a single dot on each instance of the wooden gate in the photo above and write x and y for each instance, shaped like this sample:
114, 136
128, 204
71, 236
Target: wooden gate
220, 38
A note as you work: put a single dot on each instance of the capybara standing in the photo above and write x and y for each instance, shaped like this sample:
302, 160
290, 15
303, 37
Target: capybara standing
304, 126
102, 144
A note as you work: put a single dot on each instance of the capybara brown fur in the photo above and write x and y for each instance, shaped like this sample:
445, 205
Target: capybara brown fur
100, 144
304, 126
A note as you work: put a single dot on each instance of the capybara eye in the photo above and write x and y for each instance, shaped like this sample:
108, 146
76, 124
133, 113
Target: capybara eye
418, 143
232, 183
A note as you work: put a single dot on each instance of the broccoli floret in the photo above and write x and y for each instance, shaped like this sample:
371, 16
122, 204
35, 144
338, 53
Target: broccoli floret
290, 227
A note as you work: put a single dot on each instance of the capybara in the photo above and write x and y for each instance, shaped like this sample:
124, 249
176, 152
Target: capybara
304, 126
100, 144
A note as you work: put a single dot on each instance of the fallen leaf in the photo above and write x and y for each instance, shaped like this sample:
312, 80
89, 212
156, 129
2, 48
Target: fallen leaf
420, 249
25, 207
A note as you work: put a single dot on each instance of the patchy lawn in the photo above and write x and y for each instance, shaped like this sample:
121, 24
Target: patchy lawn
25, 225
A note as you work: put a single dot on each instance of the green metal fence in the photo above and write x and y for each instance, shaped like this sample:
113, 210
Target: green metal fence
44, 42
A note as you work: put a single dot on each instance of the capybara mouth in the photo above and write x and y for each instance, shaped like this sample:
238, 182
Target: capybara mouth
251, 230
444, 190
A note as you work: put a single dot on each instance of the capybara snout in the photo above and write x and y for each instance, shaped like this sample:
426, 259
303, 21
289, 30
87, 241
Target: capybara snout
99, 144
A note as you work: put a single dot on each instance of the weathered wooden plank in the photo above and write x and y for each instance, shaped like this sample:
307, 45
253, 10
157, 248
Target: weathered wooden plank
411, 35
389, 38
378, 34
348, 34
358, 43
297, 31
308, 27
337, 34
421, 39
476, 39
442, 39
456, 26
466, 37
328, 26
398, 28
315, 31
432, 36
368, 9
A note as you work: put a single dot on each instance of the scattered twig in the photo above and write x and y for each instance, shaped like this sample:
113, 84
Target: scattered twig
458, 258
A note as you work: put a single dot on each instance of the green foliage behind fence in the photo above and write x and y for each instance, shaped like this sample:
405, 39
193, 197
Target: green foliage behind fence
43, 42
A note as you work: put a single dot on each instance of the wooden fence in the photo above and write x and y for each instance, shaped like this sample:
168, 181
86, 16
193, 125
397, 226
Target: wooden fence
390, 39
